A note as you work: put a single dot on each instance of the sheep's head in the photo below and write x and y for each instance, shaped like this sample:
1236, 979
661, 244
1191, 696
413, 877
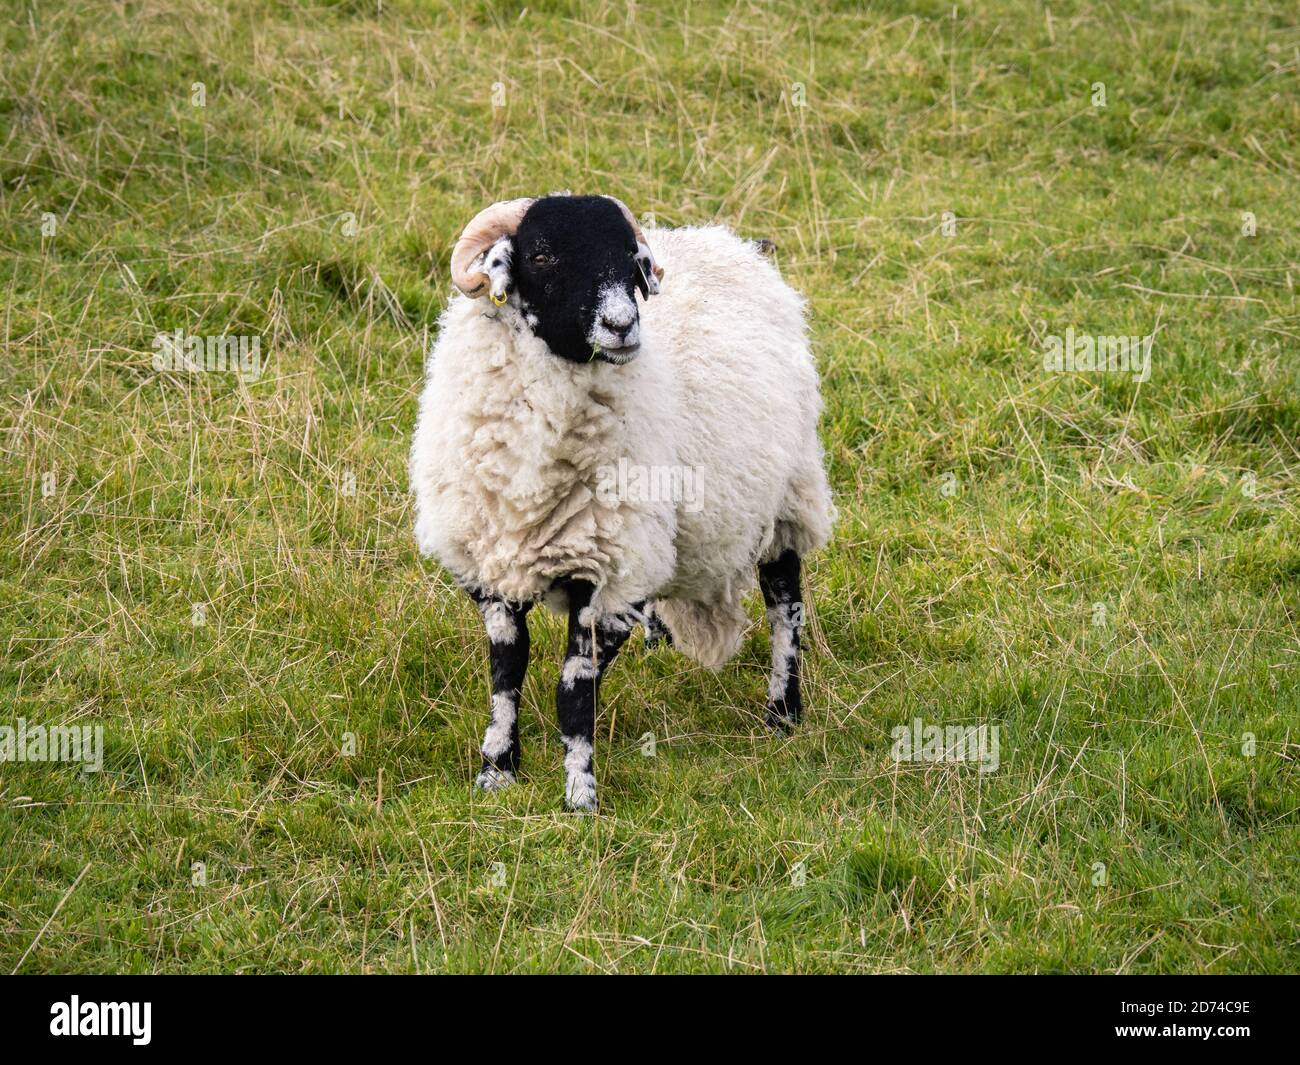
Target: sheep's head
569, 265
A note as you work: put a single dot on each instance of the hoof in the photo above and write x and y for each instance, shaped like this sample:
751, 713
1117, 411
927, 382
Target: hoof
490, 778
580, 794
780, 718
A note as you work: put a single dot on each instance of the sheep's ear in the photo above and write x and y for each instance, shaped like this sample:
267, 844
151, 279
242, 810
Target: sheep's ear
496, 266
651, 272
648, 272
484, 240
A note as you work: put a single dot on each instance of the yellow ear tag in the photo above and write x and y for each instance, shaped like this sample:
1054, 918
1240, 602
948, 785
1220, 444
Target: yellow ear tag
499, 302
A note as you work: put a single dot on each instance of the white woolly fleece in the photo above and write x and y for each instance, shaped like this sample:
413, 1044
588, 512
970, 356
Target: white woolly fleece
510, 439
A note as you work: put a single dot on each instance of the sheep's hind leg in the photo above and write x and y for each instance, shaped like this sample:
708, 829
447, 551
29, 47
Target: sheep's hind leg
507, 630
779, 580
575, 696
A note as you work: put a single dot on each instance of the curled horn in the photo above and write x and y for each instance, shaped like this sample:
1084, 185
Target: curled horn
643, 249
484, 230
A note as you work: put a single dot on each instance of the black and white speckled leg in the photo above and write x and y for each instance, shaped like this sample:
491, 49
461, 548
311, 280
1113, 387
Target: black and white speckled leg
779, 581
656, 632
593, 643
507, 630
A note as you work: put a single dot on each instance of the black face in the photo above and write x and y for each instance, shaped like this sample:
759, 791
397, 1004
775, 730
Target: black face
575, 271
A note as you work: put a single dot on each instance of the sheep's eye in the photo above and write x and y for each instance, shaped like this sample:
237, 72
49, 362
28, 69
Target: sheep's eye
541, 259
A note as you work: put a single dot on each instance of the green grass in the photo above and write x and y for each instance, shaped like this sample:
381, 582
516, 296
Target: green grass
1172, 502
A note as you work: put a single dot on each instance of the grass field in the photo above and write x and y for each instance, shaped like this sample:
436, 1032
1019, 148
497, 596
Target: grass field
219, 570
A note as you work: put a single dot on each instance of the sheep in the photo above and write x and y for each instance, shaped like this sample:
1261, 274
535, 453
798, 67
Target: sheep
549, 392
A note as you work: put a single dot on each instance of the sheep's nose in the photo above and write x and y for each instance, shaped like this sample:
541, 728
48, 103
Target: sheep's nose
619, 328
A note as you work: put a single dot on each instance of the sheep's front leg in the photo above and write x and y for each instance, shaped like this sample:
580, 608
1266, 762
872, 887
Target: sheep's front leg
779, 581
507, 630
593, 643
656, 632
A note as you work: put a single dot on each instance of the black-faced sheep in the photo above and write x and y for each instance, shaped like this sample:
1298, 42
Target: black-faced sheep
618, 464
